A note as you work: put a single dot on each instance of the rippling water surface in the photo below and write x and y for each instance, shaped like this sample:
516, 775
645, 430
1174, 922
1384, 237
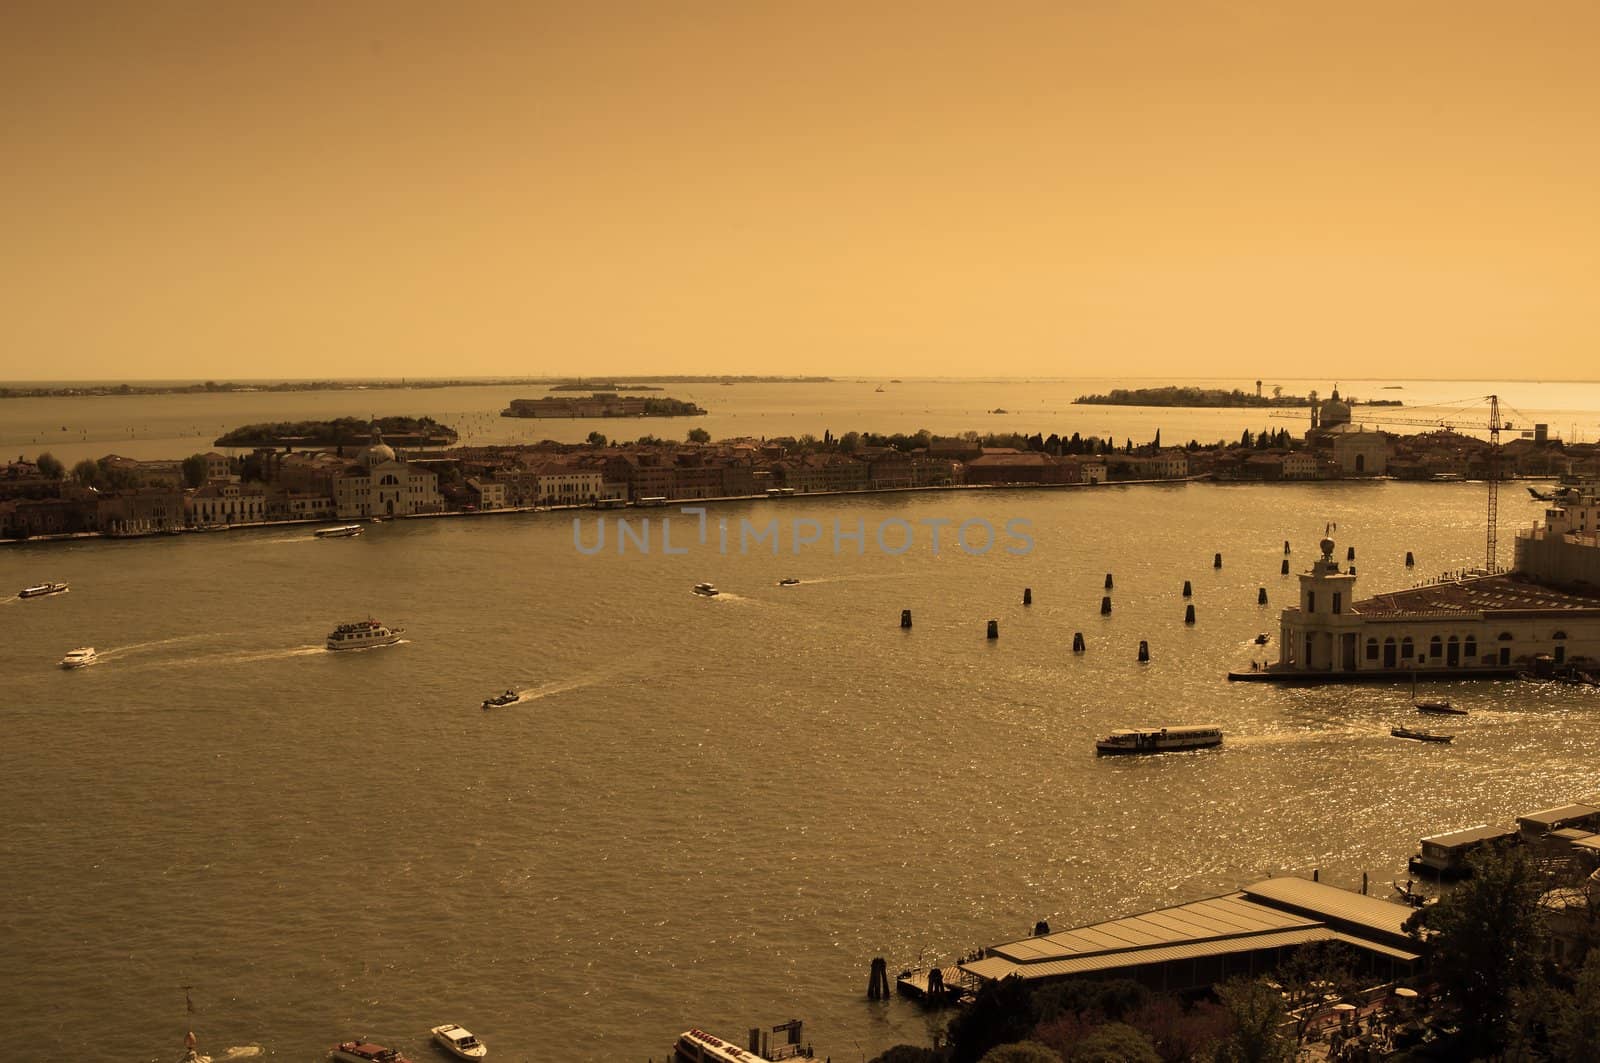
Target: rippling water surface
706, 812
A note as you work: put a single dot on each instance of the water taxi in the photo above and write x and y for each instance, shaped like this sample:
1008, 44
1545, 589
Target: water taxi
1159, 739
459, 1041
39, 590
342, 531
510, 697
697, 1046
78, 658
362, 634
1418, 736
706, 590
365, 1052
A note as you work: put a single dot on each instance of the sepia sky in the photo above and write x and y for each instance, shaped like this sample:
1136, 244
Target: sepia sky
1078, 187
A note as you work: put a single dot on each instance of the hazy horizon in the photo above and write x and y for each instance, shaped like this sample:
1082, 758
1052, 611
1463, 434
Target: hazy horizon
1206, 190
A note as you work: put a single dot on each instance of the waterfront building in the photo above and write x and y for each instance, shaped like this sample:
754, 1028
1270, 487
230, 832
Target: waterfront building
560, 484
299, 505
1196, 945
1484, 624
1357, 450
1535, 826
217, 467
226, 502
1005, 465
486, 493
383, 483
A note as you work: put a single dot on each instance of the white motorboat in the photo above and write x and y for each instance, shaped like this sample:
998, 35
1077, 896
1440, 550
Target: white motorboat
78, 658
1159, 739
459, 1042
39, 590
510, 697
788, 581
342, 531
706, 590
361, 635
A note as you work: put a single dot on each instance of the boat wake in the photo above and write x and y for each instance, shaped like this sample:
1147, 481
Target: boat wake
551, 689
1287, 738
239, 1052
139, 647
230, 657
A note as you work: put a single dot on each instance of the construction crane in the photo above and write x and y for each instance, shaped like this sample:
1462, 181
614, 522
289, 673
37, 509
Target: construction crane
1495, 426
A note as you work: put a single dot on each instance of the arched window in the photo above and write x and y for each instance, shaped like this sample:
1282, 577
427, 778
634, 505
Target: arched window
1436, 647
1405, 647
1559, 635
1361, 463
1372, 649
1471, 646
388, 480
1505, 636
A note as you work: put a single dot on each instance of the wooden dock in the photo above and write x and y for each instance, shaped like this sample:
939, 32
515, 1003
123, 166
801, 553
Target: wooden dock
959, 986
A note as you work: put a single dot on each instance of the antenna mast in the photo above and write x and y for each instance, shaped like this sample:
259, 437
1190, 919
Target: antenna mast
1494, 482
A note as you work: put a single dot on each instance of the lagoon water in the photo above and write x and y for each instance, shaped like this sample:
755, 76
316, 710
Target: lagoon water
704, 812
707, 812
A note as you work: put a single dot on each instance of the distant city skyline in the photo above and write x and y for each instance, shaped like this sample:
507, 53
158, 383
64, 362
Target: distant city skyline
1159, 190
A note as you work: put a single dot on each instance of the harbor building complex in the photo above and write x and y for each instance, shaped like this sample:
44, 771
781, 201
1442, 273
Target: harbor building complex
1544, 612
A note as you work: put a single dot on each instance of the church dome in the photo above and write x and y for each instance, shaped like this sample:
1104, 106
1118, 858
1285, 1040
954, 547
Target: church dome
377, 452
1335, 411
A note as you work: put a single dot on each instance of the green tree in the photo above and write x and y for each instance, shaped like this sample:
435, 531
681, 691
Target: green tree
1255, 1012
1577, 1031
596, 439
194, 470
1034, 1052
1309, 975
1001, 1013
86, 473
49, 467
699, 435
908, 1054
1485, 941
1116, 1042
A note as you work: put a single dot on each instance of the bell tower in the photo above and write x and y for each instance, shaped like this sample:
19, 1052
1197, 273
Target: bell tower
1320, 636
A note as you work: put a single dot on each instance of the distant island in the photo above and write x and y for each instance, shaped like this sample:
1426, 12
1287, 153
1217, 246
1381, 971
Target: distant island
343, 431
213, 387
600, 404
579, 385
1205, 397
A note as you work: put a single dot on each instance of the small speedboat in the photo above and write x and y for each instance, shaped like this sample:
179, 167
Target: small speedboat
706, 590
342, 531
1439, 708
788, 581
510, 697
39, 590
1418, 736
365, 1052
459, 1042
78, 658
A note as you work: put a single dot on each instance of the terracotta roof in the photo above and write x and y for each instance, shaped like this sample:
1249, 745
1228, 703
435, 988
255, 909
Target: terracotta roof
1483, 594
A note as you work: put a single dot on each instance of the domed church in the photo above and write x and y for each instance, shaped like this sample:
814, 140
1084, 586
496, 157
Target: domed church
381, 483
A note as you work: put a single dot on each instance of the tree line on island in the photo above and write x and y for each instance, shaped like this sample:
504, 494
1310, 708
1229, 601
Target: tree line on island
1207, 398
1494, 991
341, 431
